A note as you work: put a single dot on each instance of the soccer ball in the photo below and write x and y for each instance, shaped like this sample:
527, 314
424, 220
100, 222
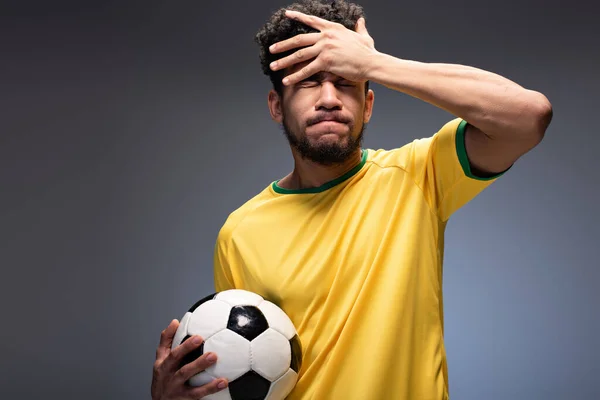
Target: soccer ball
257, 346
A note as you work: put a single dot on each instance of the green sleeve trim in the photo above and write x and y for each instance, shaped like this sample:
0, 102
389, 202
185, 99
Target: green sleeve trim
328, 185
461, 151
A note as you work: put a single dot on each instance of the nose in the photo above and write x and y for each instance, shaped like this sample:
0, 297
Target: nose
328, 97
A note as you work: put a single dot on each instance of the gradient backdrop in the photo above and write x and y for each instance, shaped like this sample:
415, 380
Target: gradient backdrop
130, 130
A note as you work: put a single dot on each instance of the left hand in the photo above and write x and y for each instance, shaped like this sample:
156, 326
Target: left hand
334, 48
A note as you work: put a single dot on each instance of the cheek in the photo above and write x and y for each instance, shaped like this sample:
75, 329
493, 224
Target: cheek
353, 102
294, 116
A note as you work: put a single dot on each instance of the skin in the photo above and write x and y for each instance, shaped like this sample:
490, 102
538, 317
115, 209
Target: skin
169, 380
327, 96
505, 120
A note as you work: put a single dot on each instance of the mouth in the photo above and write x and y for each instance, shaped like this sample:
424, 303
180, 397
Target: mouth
331, 122
325, 128
321, 119
325, 124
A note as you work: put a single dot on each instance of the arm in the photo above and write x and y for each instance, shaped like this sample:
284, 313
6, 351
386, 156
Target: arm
505, 120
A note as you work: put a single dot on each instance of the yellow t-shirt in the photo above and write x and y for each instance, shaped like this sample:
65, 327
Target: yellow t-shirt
357, 266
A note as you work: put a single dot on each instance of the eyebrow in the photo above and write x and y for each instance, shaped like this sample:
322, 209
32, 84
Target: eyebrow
320, 76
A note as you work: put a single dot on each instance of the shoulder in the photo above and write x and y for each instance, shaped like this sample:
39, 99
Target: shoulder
405, 156
237, 216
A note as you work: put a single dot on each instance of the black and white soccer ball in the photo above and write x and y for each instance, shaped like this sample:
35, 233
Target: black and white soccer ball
257, 346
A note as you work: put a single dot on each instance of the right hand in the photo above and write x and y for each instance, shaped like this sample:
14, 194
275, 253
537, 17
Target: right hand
169, 379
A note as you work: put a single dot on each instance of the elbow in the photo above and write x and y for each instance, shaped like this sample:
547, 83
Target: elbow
541, 114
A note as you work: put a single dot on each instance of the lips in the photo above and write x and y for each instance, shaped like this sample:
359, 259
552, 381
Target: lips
329, 121
327, 127
328, 118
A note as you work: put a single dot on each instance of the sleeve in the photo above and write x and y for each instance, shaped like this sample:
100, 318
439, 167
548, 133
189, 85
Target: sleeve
440, 166
223, 279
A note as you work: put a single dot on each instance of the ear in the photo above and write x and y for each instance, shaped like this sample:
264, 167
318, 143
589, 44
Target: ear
275, 106
369, 100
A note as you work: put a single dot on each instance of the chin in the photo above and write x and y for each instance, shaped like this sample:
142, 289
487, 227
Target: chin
330, 141
330, 136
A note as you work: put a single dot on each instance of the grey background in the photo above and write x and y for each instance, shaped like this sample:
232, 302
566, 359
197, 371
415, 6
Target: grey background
130, 130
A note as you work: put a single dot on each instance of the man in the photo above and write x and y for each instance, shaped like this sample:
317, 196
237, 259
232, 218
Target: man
350, 243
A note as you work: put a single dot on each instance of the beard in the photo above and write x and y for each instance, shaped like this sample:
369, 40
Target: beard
324, 153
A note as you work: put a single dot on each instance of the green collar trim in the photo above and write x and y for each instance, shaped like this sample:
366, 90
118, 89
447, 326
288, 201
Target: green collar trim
327, 185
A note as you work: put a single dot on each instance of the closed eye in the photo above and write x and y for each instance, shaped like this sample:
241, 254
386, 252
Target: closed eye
308, 83
345, 82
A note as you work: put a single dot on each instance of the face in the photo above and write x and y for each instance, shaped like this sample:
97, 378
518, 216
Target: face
323, 117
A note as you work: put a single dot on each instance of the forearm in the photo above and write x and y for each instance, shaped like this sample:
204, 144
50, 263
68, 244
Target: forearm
497, 106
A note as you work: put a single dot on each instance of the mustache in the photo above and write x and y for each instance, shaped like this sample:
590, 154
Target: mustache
337, 117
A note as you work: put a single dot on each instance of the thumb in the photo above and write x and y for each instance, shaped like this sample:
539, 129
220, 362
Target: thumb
361, 26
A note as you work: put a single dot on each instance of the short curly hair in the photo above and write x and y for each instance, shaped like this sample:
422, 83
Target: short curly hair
279, 27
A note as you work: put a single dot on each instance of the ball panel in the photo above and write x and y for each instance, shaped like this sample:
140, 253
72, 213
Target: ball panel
278, 319
239, 297
251, 386
181, 330
208, 319
296, 348
283, 386
247, 321
270, 354
233, 355
202, 301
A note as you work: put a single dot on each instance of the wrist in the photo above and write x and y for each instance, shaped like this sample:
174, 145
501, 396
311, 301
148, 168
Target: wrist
395, 73
373, 66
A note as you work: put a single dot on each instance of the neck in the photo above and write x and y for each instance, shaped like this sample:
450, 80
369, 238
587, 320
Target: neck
308, 174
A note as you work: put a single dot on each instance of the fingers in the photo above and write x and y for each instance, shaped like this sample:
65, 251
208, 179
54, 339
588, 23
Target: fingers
173, 360
166, 340
210, 388
301, 40
361, 27
304, 54
307, 71
310, 20
195, 367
